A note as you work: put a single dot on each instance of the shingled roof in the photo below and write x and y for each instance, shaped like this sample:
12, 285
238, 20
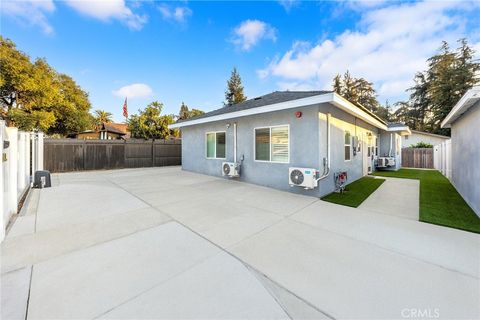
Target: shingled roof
265, 100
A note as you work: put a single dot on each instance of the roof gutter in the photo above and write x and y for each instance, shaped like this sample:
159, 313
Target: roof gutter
466, 101
332, 98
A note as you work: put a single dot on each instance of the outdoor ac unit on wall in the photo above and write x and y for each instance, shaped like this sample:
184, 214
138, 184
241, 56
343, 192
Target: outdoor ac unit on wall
303, 177
385, 162
231, 169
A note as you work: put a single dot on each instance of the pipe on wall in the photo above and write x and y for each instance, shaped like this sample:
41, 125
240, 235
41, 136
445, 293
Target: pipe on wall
391, 141
235, 142
326, 161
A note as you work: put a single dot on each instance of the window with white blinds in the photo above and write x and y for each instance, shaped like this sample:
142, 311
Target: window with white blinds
272, 144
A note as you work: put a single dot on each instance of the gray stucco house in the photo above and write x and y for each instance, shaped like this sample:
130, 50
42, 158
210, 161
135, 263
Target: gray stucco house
267, 138
464, 121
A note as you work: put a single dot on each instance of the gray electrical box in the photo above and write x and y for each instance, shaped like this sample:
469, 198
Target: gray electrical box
42, 179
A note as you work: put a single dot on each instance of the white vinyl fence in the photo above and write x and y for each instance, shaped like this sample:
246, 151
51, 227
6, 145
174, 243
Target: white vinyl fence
20, 159
442, 158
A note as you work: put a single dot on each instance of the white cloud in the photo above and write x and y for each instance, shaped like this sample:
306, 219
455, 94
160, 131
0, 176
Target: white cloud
29, 12
134, 90
250, 32
390, 45
178, 14
289, 4
105, 10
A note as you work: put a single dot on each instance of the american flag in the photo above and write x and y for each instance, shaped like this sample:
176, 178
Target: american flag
125, 109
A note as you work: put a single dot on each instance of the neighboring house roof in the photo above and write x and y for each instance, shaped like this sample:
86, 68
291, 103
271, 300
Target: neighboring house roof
282, 100
119, 128
469, 99
430, 134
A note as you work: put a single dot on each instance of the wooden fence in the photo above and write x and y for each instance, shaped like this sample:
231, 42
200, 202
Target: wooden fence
62, 155
417, 158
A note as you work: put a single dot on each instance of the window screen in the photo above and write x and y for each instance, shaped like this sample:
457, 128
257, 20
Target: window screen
220, 145
210, 145
348, 145
262, 144
216, 142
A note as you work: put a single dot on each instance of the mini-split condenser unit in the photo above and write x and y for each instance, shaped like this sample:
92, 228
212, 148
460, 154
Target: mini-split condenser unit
385, 162
303, 177
231, 169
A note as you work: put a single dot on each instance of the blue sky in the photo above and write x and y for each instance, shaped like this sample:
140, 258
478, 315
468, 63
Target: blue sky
184, 51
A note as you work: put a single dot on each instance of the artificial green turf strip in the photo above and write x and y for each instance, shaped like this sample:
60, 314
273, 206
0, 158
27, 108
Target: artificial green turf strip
356, 192
440, 203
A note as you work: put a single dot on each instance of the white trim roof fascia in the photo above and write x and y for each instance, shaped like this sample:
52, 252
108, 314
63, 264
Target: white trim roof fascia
332, 98
404, 131
263, 109
465, 102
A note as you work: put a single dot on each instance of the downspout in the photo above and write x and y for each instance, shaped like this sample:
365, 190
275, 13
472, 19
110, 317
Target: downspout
234, 142
390, 150
326, 161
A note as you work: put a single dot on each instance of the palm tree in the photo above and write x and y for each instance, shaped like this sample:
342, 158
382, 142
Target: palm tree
102, 116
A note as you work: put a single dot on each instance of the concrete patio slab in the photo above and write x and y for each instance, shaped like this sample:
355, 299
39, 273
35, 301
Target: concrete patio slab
240, 227
26, 219
279, 202
90, 282
398, 197
446, 247
350, 279
218, 288
76, 203
14, 292
138, 240
18, 252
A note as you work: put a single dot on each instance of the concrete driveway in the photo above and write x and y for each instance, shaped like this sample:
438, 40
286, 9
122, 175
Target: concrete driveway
164, 243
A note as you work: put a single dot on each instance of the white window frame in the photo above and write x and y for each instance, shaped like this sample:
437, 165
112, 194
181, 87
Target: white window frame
215, 145
350, 145
270, 144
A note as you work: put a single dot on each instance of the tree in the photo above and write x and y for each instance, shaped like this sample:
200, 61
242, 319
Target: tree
356, 90
234, 93
436, 91
35, 96
102, 116
72, 110
150, 124
385, 112
185, 113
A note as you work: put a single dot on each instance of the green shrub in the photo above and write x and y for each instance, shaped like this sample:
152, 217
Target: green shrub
421, 144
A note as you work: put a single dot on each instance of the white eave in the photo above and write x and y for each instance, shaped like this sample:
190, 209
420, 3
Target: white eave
471, 97
401, 130
332, 98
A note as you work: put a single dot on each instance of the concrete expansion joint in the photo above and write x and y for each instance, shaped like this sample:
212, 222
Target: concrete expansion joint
156, 285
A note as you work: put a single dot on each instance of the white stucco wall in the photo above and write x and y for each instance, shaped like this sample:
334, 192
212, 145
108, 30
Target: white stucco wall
417, 137
466, 156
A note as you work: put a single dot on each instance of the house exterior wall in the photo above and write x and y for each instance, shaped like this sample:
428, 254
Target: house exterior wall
396, 152
466, 156
416, 137
307, 147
